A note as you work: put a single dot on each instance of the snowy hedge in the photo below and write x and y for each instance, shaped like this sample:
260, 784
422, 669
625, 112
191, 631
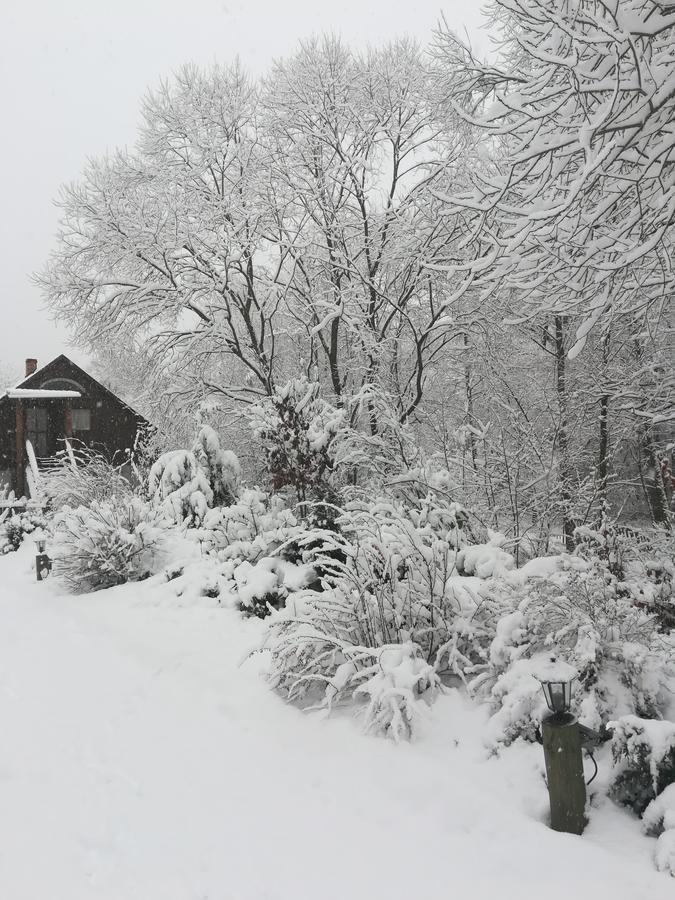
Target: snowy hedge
644, 751
17, 526
575, 607
108, 543
395, 574
251, 527
390, 577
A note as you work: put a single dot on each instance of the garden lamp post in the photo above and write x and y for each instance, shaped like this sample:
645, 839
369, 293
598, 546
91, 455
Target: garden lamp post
562, 749
43, 564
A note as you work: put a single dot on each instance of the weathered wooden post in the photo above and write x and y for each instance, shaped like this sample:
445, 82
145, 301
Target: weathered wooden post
562, 750
20, 449
564, 772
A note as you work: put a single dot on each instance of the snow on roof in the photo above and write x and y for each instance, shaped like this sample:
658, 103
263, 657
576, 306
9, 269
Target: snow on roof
39, 394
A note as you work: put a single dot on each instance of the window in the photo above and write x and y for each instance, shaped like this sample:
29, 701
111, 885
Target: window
81, 420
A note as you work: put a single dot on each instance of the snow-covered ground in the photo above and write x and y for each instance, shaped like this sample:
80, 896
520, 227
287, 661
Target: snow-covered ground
140, 760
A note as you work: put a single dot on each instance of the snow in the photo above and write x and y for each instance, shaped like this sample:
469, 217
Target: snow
665, 852
394, 686
554, 669
141, 760
40, 394
485, 560
254, 582
660, 814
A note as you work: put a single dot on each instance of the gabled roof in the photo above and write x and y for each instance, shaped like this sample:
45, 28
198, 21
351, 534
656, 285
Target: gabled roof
40, 374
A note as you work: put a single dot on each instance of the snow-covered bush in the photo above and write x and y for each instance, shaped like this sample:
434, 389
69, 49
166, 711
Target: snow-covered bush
263, 586
77, 478
298, 431
221, 467
650, 576
626, 666
396, 687
641, 561
187, 483
659, 816
389, 580
179, 486
644, 751
321, 653
17, 526
255, 540
252, 527
485, 560
107, 543
401, 564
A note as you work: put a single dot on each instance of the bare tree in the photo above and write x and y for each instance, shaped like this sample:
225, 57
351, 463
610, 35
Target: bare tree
297, 213
167, 244
357, 148
577, 213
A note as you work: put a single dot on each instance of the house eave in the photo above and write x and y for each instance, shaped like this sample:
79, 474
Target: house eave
40, 394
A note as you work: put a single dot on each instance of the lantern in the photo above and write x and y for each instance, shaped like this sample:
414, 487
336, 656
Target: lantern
43, 564
557, 677
558, 695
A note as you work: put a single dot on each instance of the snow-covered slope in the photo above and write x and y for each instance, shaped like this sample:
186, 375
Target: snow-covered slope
139, 760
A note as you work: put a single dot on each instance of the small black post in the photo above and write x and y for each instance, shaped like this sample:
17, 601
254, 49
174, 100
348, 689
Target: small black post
564, 772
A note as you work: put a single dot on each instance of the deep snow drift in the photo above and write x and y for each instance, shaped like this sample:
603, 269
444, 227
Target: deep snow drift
141, 760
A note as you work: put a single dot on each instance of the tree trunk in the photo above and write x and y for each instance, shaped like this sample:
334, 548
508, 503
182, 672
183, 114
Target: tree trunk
649, 464
563, 434
652, 480
602, 473
468, 384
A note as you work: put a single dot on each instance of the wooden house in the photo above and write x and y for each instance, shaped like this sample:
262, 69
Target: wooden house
57, 402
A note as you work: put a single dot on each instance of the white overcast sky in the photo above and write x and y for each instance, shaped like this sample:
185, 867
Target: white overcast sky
72, 73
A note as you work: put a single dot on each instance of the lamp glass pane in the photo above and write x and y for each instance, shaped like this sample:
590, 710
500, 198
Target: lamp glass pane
546, 688
558, 697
